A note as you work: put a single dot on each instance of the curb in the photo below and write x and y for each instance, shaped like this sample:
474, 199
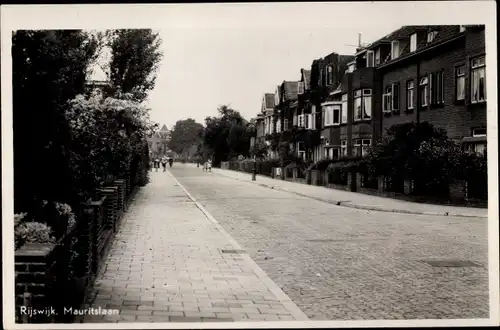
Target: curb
358, 206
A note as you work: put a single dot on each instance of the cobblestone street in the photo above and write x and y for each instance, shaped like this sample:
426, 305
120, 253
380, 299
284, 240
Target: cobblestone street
339, 263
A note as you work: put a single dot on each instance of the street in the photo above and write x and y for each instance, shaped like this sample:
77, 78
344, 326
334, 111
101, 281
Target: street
338, 263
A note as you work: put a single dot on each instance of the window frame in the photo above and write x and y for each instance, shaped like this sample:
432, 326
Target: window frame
431, 36
387, 107
370, 55
460, 76
473, 68
479, 135
395, 87
329, 111
377, 56
343, 148
425, 87
393, 48
329, 75
344, 111
357, 146
364, 146
410, 90
413, 42
361, 94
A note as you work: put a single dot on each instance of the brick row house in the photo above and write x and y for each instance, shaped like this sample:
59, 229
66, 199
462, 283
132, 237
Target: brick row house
415, 74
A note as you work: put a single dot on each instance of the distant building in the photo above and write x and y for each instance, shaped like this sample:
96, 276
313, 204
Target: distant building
158, 143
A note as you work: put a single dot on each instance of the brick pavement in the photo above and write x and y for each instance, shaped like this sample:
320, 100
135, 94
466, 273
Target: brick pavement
356, 200
166, 265
339, 263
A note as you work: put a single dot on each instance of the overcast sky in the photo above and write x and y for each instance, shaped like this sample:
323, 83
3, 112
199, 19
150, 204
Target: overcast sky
205, 68
234, 53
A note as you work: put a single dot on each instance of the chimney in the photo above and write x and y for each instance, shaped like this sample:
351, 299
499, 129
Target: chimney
359, 40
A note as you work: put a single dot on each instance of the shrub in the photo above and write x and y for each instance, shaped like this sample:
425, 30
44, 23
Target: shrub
31, 232
321, 164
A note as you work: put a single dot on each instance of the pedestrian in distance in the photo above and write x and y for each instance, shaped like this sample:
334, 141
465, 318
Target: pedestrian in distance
170, 161
157, 164
164, 163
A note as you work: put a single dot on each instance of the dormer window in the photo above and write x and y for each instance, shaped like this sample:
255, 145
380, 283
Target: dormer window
329, 75
370, 59
462, 28
351, 67
394, 49
431, 35
377, 56
413, 42
301, 87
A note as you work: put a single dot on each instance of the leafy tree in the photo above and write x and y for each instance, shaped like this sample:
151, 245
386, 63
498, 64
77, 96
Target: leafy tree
184, 135
49, 68
135, 56
226, 135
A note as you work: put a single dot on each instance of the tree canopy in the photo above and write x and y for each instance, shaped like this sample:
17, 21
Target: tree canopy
185, 134
135, 56
226, 135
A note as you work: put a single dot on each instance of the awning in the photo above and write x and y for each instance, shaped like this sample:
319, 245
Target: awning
473, 139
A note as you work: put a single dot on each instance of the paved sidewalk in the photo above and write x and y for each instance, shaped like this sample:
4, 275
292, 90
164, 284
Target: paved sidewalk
168, 264
355, 200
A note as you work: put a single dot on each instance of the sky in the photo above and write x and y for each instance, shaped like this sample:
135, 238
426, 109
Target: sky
232, 54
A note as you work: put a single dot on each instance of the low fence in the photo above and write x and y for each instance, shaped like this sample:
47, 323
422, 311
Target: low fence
460, 192
58, 275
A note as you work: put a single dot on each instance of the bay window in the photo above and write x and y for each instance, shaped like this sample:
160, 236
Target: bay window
478, 83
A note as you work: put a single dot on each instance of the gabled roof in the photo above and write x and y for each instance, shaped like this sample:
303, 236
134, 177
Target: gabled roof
306, 77
290, 89
269, 97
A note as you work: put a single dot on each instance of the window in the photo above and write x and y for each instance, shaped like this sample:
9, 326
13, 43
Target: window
394, 49
278, 125
351, 67
362, 104
413, 42
395, 97
366, 143
409, 94
332, 115
478, 83
460, 83
313, 109
285, 124
387, 99
462, 28
301, 121
357, 150
343, 148
344, 109
377, 56
431, 35
479, 132
330, 75
370, 58
301, 88
300, 146
436, 88
424, 91
310, 121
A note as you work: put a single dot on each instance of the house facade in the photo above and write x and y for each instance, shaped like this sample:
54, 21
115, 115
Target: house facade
435, 74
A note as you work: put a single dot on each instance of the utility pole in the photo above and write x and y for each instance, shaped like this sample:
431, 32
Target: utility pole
254, 168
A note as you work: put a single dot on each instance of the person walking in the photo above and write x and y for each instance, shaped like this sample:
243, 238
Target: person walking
170, 161
157, 164
164, 163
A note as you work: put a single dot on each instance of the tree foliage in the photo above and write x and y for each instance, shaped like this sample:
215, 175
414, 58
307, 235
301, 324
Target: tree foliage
185, 134
135, 56
49, 68
226, 136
